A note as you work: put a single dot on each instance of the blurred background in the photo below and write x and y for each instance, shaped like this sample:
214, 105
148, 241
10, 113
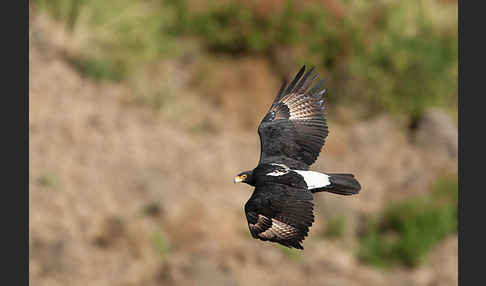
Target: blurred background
142, 112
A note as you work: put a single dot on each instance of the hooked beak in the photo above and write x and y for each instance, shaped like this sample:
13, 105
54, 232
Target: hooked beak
238, 179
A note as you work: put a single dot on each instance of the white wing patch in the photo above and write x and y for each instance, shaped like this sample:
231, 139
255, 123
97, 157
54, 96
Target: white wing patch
314, 180
279, 172
281, 165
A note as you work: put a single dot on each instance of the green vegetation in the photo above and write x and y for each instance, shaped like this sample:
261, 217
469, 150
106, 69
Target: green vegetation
67, 10
237, 29
161, 244
335, 227
405, 70
47, 180
395, 56
117, 37
100, 69
389, 66
291, 253
407, 230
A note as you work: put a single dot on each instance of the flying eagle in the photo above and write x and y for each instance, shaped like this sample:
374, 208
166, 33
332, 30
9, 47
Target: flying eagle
292, 134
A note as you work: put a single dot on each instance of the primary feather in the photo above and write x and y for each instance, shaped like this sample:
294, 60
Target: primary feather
295, 129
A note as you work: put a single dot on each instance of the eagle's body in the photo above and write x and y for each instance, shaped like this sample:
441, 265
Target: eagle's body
292, 134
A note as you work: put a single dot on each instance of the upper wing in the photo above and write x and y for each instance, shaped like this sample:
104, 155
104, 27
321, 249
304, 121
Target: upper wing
280, 213
294, 129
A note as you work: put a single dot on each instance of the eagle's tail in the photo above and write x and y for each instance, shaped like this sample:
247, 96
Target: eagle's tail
341, 184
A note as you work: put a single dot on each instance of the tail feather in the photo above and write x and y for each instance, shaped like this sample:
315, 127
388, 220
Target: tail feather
341, 184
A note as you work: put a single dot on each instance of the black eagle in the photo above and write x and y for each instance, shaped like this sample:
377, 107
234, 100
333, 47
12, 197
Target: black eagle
292, 134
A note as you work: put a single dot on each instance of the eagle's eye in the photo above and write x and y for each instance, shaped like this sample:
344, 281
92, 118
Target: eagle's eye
244, 176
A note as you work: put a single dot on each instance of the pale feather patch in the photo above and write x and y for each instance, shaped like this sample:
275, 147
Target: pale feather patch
314, 180
281, 165
284, 230
300, 108
279, 172
279, 230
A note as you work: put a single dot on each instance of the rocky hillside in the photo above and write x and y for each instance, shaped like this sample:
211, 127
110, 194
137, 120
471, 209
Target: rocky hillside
123, 195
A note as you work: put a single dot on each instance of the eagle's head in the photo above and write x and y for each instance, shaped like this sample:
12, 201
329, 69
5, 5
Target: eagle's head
244, 177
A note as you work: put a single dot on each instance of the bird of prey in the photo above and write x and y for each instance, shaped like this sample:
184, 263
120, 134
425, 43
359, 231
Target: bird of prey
292, 134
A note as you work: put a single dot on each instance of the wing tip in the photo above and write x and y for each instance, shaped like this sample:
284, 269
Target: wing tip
300, 83
296, 245
296, 79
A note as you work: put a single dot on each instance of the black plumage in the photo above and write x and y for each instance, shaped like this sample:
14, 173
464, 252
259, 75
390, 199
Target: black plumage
292, 134
294, 129
280, 209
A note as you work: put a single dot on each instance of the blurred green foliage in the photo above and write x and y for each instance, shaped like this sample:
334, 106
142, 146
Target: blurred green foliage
120, 35
391, 56
291, 253
47, 180
161, 244
407, 230
235, 28
393, 69
408, 71
335, 227
100, 68
67, 10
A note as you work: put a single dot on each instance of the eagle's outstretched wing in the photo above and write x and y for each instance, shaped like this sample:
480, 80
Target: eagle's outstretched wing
279, 213
294, 129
